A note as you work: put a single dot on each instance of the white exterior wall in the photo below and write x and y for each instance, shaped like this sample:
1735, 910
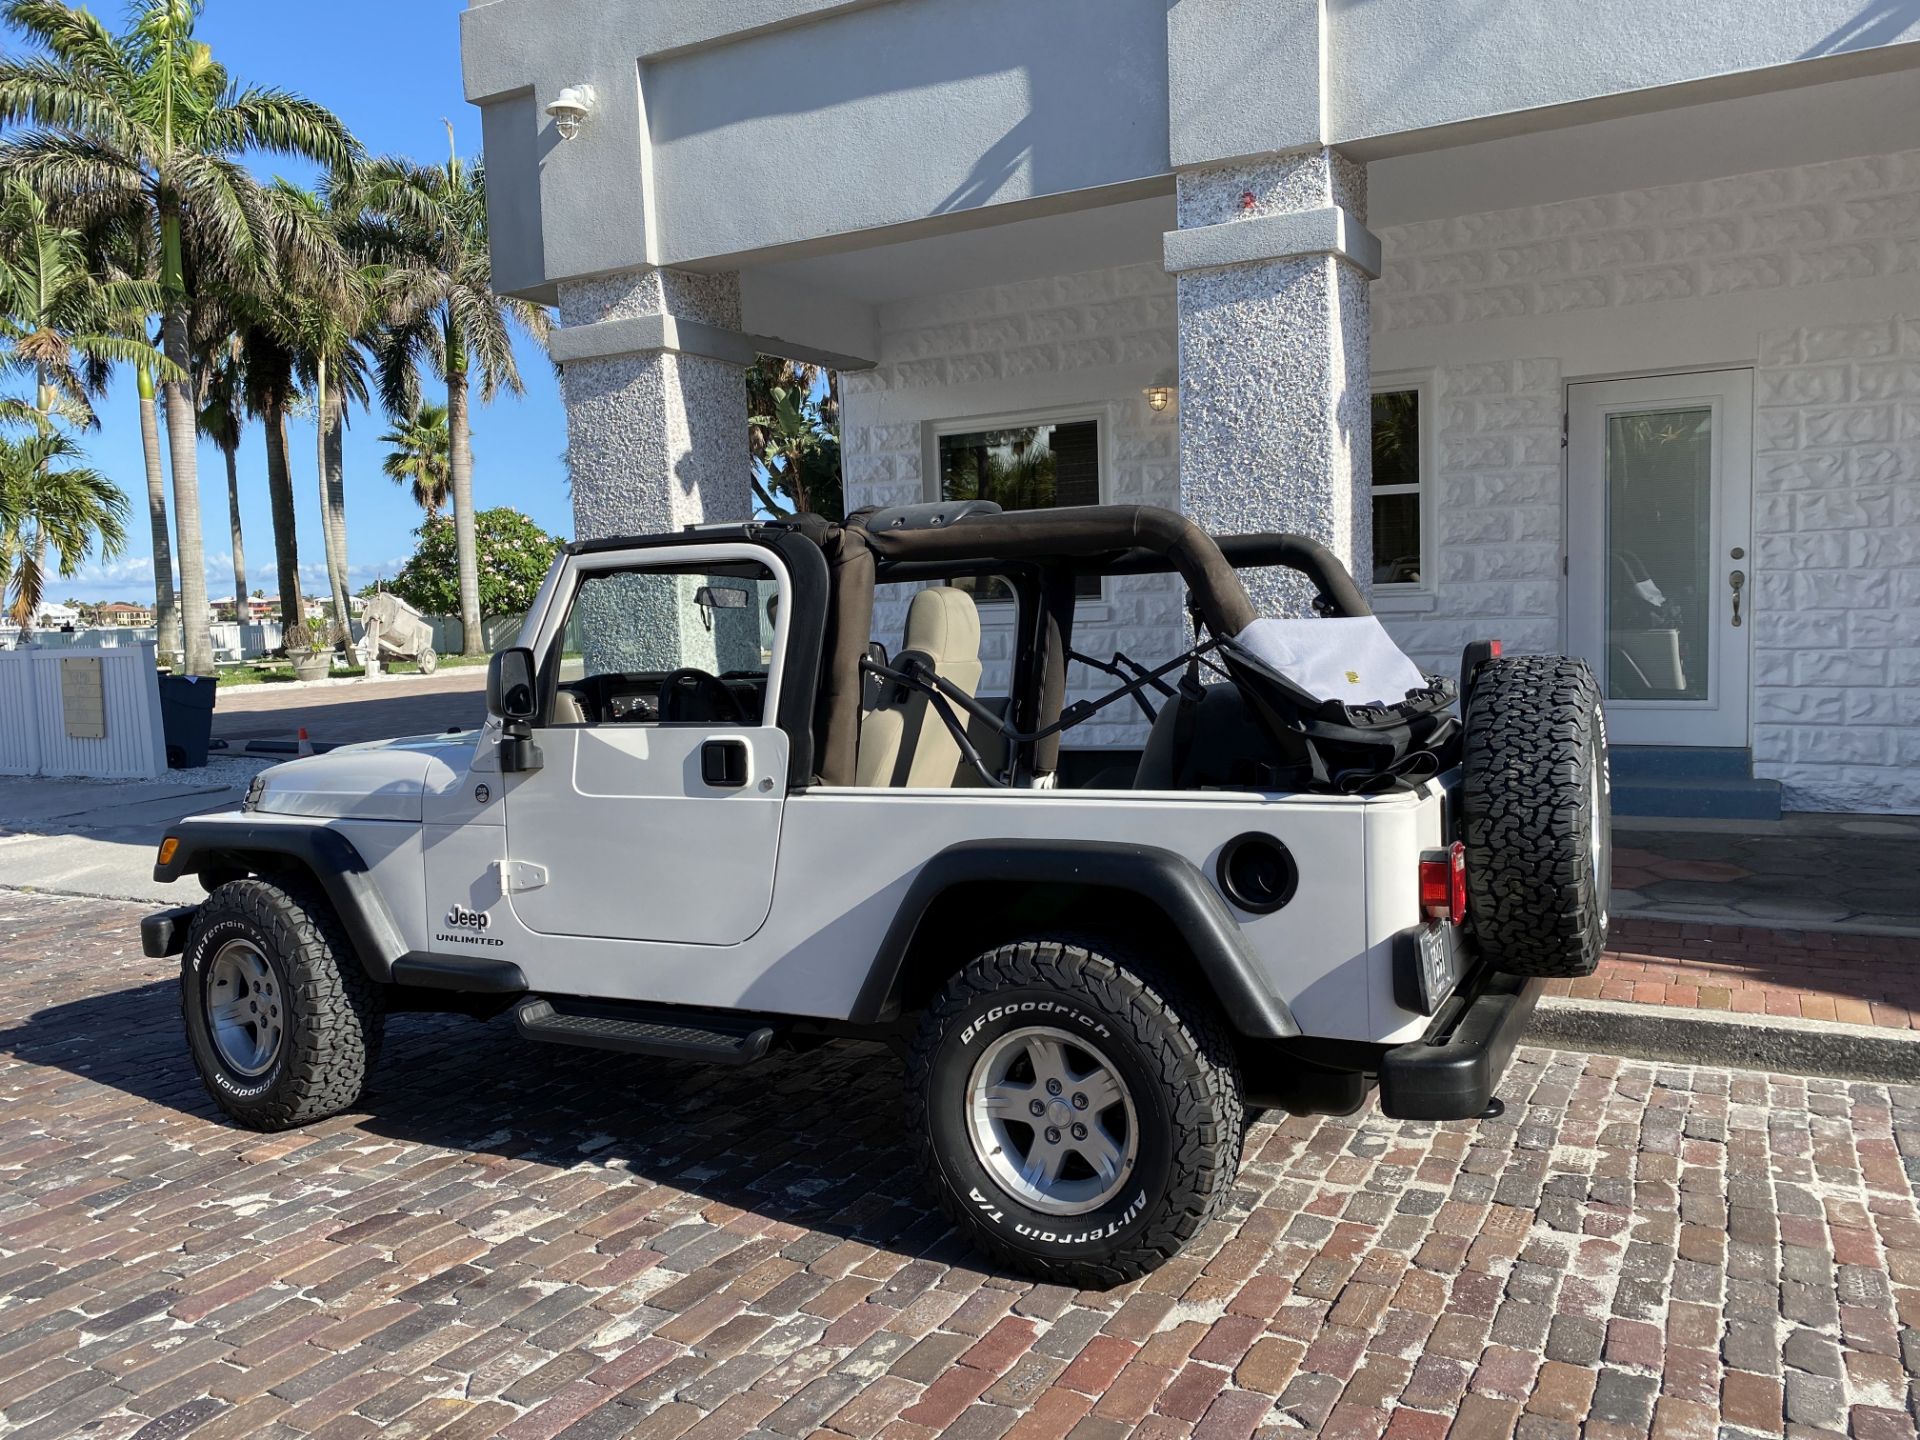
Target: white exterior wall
1065, 346
1837, 565
1792, 272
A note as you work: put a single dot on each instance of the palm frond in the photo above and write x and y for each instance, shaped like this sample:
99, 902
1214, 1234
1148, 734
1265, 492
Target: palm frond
263, 118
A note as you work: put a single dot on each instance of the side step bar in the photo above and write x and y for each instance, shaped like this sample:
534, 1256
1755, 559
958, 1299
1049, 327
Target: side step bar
644, 1030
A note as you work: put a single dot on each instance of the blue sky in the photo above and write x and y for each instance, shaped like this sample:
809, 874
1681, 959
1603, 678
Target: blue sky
391, 70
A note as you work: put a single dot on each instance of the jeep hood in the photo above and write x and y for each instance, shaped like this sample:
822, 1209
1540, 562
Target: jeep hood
377, 780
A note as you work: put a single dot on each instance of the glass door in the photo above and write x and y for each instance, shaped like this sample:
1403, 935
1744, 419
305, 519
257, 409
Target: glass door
1659, 566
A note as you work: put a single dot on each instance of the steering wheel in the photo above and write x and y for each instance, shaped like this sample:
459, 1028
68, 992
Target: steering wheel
679, 689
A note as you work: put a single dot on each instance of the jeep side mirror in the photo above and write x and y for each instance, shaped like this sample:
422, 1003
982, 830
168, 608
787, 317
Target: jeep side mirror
513, 694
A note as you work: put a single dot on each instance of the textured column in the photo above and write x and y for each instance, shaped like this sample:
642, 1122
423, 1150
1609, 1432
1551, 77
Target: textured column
1273, 261
654, 381
656, 397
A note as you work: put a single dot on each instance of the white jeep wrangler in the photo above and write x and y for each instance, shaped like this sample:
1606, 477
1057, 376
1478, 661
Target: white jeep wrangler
707, 817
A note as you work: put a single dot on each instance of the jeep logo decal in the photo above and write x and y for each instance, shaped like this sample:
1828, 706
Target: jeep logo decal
458, 916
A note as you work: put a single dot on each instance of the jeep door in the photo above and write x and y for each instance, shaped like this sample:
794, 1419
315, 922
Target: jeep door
655, 814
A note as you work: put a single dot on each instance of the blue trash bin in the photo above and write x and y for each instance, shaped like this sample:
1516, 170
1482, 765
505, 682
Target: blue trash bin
186, 718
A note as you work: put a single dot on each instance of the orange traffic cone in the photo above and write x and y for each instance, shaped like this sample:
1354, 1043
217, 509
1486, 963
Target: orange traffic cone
305, 747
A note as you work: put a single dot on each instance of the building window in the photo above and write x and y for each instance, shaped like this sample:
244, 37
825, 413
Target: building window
1024, 467
1399, 488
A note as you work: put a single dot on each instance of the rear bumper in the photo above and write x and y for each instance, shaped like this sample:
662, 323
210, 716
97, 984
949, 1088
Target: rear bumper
1451, 1072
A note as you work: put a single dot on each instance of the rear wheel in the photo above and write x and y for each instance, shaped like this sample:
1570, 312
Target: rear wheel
427, 660
1075, 1119
1537, 815
283, 1022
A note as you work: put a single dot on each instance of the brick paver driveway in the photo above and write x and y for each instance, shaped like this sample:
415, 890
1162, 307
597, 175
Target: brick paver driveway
536, 1241
377, 710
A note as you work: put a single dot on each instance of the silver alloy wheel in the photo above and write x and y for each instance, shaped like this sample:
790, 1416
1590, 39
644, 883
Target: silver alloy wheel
1051, 1120
244, 1008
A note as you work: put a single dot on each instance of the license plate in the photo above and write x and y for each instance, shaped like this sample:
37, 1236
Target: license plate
1440, 963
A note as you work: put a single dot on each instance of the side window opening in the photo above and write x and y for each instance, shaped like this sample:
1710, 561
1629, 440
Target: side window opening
665, 646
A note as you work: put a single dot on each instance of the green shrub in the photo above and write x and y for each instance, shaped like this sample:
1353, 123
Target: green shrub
514, 555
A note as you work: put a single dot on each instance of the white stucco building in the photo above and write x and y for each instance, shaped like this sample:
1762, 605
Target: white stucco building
1627, 294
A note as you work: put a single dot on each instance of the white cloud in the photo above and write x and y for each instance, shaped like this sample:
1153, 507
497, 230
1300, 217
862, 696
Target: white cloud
130, 577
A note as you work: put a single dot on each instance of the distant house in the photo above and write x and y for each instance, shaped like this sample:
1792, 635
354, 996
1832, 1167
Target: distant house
122, 612
52, 616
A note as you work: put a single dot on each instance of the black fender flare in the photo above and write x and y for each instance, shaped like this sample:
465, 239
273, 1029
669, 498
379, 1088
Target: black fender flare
1228, 964
329, 856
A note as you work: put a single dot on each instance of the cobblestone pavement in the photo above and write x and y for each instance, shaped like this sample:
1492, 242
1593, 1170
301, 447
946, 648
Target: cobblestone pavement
533, 1241
1749, 970
398, 705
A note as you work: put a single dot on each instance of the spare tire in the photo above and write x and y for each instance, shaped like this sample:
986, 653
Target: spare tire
1536, 815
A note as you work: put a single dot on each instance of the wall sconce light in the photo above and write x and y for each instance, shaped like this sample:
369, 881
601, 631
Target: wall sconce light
1160, 393
570, 109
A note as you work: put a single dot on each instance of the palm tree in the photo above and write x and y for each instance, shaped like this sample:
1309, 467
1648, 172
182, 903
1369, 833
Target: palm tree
270, 390
44, 503
58, 322
118, 250
329, 306
222, 419
64, 327
446, 316
417, 454
147, 124
793, 414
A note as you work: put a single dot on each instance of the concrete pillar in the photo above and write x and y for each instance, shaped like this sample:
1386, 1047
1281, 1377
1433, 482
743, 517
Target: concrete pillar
1272, 260
653, 374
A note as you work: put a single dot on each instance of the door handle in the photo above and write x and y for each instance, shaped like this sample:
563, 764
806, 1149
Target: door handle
723, 764
1737, 579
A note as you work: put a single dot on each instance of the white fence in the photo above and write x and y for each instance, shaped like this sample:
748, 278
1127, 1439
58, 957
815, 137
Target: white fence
231, 641
34, 720
495, 632
235, 642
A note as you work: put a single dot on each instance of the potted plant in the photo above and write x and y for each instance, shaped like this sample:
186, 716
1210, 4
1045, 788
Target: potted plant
310, 645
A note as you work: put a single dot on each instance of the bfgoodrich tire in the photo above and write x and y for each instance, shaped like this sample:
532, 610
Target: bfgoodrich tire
1075, 1119
283, 1022
1537, 815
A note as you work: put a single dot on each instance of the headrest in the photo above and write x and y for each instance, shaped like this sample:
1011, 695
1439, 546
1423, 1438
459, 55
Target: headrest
944, 625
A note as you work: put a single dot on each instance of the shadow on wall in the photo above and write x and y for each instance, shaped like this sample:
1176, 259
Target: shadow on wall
1002, 47
1881, 22
1000, 162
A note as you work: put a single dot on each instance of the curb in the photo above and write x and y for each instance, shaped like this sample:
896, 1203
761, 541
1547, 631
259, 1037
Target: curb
281, 748
1727, 920
1771, 1043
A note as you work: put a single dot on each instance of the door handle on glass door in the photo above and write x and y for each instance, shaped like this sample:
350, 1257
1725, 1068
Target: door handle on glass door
1737, 579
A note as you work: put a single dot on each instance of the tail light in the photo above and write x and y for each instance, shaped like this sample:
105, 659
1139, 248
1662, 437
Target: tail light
1443, 883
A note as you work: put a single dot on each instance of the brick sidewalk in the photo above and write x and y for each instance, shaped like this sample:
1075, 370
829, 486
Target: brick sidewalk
533, 1242
1811, 975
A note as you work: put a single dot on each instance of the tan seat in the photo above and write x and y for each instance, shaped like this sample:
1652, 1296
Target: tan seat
903, 742
567, 709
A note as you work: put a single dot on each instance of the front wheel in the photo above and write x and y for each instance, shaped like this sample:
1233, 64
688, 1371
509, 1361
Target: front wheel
283, 1022
427, 661
1075, 1119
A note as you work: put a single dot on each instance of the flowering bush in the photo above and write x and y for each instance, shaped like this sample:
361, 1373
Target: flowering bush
513, 553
